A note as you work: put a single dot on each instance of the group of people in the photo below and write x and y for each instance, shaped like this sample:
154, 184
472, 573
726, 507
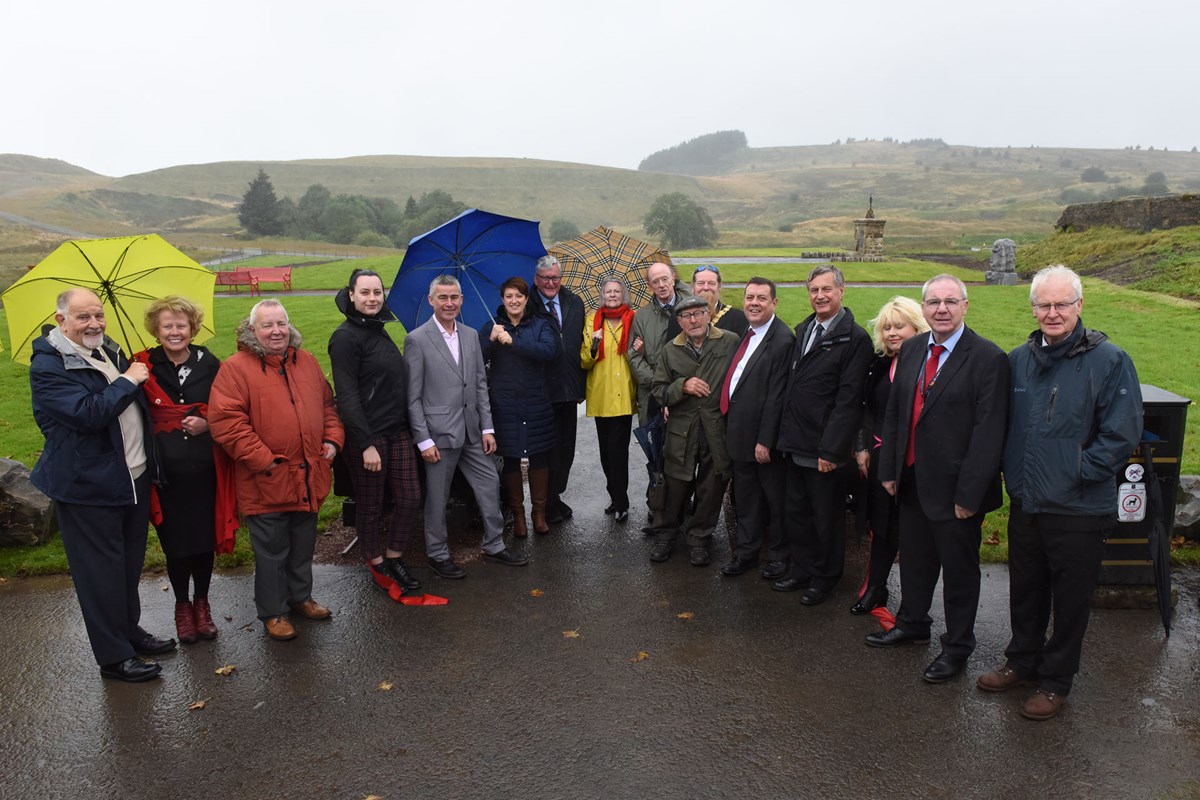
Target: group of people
926, 411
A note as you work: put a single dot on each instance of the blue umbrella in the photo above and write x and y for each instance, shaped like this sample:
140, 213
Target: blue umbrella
479, 248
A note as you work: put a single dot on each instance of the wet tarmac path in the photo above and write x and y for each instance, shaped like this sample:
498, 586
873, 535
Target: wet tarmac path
752, 695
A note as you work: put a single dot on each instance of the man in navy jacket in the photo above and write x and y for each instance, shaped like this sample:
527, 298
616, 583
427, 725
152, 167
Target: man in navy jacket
97, 466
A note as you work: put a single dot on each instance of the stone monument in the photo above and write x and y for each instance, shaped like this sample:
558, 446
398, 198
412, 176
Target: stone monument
868, 235
26, 515
1002, 267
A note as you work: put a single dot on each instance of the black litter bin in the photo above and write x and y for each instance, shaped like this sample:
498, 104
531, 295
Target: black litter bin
1127, 553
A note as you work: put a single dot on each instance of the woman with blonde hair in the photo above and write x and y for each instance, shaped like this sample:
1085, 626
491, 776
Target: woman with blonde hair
899, 319
611, 388
193, 508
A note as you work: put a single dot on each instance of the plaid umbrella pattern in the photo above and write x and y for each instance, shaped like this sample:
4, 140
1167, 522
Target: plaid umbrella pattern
600, 253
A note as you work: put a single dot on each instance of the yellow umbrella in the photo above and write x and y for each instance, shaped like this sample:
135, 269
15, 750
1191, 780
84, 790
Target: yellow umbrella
126, 272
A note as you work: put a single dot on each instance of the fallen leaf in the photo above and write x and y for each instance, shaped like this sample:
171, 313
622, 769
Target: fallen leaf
166, 587
536, 593
385, 686
993, 540
3, 581
372, 797
571, 634
196, 705
641, 656
226, 670
686, 615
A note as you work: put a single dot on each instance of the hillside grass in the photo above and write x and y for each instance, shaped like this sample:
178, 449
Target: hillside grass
1000, 313
1160, 261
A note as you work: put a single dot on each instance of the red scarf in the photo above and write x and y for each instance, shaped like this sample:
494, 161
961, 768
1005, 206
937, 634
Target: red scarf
166, 415
621, 312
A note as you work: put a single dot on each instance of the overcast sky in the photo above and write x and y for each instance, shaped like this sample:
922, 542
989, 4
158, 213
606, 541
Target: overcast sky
125, 87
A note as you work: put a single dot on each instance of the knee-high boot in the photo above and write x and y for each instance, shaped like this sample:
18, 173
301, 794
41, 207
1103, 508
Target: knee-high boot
514, 497
539, 489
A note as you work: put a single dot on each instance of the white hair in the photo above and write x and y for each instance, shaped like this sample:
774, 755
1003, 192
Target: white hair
962, 287
1055, 271
270, 302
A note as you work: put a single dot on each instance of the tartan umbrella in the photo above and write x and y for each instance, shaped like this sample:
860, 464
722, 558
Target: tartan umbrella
125, 272
591, 257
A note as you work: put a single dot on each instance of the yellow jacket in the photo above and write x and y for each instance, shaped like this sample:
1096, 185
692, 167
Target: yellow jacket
611, 390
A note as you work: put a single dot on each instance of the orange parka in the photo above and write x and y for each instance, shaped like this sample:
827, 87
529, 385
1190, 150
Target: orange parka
272, 415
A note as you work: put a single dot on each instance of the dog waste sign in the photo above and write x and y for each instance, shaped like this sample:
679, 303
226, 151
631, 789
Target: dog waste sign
1131, 502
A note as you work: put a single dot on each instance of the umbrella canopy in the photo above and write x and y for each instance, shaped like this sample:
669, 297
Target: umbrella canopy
481, 249
126, 272
601, 253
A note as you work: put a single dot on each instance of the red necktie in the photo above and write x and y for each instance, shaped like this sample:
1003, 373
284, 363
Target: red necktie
737, 357
931, 368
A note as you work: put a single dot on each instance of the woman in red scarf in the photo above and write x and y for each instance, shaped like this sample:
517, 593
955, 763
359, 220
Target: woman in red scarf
611, 388
185, 509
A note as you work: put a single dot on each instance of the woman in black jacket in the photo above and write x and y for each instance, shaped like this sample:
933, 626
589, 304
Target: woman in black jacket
371, 383
899, 319
522, 347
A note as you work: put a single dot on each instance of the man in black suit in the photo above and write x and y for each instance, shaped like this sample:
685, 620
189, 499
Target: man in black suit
752, 402
564, 377
943, 435
821, 415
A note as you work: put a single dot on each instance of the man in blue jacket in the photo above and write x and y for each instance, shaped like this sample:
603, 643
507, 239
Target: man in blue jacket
1074, 420
97, 467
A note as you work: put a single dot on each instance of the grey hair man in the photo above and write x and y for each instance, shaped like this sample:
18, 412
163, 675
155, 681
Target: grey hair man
97, 466
451, 420
1074, 420
565, 311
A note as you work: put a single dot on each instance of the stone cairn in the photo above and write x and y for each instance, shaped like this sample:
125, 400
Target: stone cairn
1002, 266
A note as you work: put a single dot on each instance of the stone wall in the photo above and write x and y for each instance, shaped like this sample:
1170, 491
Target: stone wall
1143, 214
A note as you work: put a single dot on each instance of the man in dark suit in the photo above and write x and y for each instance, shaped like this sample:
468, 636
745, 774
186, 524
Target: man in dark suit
97, 467
943, 435
565, 378
752, 401
451, 420
821, 415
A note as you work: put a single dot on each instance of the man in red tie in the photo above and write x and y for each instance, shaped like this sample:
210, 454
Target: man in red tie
943, 435
752, 401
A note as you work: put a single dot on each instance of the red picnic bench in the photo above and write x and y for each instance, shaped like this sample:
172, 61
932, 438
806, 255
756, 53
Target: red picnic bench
254, 277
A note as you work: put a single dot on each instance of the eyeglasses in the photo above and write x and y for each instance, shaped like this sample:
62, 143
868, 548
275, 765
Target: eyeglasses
1061, 308
707, 268
950, 303
687, 316
549, 278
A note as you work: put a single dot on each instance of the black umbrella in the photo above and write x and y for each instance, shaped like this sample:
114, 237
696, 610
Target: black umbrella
1160, 541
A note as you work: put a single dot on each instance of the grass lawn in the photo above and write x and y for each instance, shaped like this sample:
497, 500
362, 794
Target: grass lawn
1000, 313
904, 270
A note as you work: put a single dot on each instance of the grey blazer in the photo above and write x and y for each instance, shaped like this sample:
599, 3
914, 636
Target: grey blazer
447, 401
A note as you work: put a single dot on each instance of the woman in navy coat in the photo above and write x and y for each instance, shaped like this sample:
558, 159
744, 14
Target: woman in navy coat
521, 348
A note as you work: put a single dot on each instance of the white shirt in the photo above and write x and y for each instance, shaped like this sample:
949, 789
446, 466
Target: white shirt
451, 339
755, 341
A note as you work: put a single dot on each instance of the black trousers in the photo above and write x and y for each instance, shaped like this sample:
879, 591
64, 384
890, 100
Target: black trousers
566, 419
815, 525
883, 522
1050, 571
106, 546
758, 498
613, 434
927, 548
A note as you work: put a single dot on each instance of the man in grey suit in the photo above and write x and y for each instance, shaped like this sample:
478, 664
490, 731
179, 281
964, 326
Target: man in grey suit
451, 421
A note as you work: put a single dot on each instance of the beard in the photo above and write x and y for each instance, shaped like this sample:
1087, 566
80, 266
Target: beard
92, 340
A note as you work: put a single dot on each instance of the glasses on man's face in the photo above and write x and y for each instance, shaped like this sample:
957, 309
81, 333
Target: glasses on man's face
707, 268
950, 303
1061, 308
549, 278
688, 316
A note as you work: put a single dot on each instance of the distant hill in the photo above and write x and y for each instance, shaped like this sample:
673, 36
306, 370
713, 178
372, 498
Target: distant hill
929, 191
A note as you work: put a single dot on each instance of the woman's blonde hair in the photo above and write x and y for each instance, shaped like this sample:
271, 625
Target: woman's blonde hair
177, 305
898, 309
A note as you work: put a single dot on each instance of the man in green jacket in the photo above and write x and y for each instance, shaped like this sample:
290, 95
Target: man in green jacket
687, 382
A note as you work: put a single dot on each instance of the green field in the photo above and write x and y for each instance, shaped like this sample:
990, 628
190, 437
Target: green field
1000, 313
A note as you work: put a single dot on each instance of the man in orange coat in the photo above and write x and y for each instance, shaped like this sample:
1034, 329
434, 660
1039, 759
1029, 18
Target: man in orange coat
272, 410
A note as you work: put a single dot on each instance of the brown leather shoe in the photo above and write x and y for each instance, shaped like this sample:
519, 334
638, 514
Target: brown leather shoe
279, 628
1001, 680
312, 609
1043, 705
